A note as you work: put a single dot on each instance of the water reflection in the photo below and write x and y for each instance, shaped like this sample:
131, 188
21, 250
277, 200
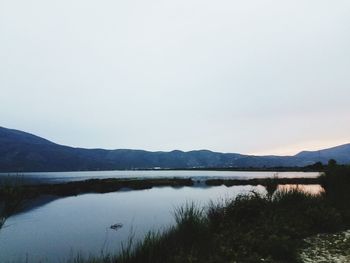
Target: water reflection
82, 223
314, 189
50, 229
59, 177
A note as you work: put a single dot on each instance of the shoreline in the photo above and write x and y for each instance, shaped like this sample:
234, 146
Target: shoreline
215, 169
114, 185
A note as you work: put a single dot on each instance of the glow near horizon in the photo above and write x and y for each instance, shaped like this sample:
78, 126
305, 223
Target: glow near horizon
264, 77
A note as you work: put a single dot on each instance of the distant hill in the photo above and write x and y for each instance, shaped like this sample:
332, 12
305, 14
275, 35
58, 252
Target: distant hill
21, 151
340, 153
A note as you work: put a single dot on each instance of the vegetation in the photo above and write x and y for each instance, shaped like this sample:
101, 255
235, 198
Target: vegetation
250, 228
95, 186
11, 199
270, 183
113, 185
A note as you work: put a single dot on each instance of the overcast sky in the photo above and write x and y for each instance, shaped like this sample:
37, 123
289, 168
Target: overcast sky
250, 76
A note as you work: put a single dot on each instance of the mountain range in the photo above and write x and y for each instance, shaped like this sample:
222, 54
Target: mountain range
25, 152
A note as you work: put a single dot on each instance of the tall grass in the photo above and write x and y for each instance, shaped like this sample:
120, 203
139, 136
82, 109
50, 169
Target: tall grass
11, 199
271, 185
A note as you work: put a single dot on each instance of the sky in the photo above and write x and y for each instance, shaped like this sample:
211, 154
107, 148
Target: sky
255, 76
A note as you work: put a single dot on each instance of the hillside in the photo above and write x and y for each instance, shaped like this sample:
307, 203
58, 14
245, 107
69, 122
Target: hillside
21, 151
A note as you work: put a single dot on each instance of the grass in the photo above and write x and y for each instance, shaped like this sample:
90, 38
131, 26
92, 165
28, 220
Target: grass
11, 200
250, 228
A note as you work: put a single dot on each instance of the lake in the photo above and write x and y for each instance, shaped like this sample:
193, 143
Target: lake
52, 230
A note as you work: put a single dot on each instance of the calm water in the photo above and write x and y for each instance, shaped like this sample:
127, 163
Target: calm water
57, 177
51, 230
81, 224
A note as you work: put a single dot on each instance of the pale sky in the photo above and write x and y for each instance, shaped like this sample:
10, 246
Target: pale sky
252, 76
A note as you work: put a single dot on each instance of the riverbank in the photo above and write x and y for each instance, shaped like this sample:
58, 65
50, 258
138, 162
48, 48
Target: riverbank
113, 185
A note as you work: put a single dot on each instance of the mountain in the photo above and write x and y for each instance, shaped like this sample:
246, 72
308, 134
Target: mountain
21, 151
340, 153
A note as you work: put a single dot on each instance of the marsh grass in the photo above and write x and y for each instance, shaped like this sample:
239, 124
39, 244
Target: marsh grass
79, 258
11, 199
271, 185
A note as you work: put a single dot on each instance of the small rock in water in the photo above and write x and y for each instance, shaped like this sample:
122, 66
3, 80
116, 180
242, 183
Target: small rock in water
116, 226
